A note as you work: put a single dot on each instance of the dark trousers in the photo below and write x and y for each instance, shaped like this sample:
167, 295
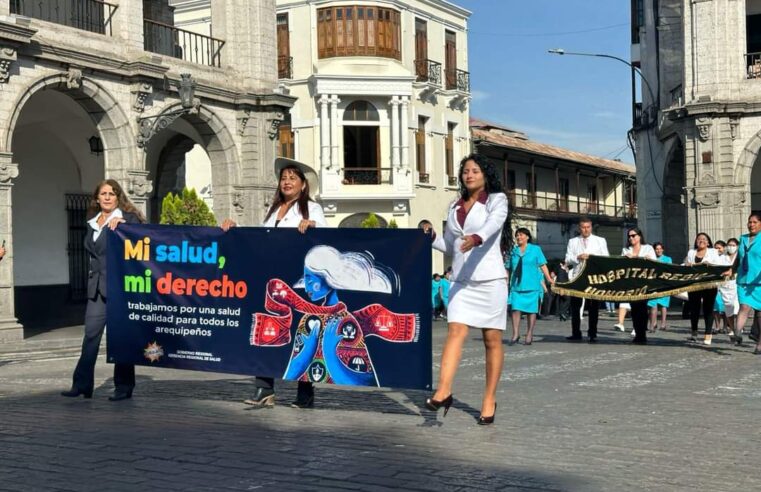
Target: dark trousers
593, 307
707, 297
305, 387
562, 303
84, 374
640, 315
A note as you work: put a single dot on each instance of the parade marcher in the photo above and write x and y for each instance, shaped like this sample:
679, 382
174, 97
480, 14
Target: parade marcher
109, 207
436, 295
638, 248
702, 301
527, 265
748, 268
579, 249
444, 290
476, 237
661, 303
563, 302
728, 291
719, 315
623, 308
291, 207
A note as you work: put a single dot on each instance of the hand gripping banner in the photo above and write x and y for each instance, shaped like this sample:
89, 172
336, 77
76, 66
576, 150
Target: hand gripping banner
337, 306
618, 278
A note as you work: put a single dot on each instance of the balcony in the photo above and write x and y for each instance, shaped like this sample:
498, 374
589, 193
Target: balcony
423, 178
458, 80
428, 71
179, 43
568, 206
753, 64
87, 15
367, 175
284, 67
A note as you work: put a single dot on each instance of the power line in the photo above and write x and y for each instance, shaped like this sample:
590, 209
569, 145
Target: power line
547, 34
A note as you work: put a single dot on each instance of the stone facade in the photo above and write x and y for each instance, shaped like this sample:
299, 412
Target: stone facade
699, 136
117, 82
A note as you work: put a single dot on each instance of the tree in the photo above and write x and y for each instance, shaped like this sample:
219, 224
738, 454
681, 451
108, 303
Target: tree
393, 224
371, 222
186, 208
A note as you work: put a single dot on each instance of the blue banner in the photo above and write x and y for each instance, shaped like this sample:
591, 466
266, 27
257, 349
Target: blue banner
340, 306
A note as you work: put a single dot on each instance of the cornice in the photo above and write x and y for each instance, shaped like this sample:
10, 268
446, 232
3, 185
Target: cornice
13, 31
713, 108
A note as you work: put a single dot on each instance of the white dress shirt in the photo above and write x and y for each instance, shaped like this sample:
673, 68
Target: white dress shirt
645, 251
592, 245
117, 213
711, 257
293, 217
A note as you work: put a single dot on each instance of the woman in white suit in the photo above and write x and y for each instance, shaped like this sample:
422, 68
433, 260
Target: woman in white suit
474, 238
291, 207
702, 252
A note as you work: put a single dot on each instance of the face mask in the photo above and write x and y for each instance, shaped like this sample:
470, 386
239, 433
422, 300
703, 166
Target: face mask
731, 250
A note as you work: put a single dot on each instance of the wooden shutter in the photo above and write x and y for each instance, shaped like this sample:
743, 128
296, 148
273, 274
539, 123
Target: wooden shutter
420, 146
450, 59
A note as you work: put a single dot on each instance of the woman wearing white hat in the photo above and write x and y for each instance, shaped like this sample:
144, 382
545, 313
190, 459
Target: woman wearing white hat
291, 207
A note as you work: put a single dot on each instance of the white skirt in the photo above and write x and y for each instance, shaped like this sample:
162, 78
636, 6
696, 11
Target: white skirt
479, 304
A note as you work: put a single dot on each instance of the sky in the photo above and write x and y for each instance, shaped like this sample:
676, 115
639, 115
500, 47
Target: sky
576, 102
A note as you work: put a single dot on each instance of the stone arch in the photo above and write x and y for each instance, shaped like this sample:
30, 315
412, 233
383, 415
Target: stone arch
109, 118
674, 219
219, 144
747, 159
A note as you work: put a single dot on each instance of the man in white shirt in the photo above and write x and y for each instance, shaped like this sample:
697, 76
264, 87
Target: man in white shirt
579, 249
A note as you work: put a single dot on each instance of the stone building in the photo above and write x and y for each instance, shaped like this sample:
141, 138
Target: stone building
550, 188
698, 126
382, 105
93, 89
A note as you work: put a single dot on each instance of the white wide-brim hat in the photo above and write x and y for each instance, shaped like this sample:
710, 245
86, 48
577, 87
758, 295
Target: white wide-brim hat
309, 172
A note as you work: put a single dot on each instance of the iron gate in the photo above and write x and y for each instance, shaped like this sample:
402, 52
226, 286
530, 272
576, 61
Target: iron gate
79, 262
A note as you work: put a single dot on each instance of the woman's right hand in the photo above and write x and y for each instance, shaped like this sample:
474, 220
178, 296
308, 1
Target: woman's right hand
227, 224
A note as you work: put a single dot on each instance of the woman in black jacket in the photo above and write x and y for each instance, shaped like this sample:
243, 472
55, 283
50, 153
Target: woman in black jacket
109, 207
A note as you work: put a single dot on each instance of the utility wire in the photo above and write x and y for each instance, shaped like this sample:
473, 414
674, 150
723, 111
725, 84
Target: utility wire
547, 34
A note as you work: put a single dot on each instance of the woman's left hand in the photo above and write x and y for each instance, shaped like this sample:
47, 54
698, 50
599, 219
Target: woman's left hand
305, 224
468, 243
113, 223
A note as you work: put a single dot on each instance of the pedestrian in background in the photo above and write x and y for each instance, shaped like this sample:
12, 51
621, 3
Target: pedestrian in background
661, 303
748, 268
436, 295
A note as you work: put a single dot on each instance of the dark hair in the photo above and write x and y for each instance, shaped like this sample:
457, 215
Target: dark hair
658, 243
492, 185
639, 233
756, 214
302, 200
523, 230
733, 240
585, 220
436, 275
695, 244
122, 200
720, 243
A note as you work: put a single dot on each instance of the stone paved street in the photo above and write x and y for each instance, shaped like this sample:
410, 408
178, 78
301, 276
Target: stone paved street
583, 417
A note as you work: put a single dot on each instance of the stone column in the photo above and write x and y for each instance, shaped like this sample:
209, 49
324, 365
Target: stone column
324, 133
10, 329
394, 131
405, 132
334, 160
5, 7
127, 24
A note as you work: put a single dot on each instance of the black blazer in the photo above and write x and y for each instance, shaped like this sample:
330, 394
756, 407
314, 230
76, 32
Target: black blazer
97, 250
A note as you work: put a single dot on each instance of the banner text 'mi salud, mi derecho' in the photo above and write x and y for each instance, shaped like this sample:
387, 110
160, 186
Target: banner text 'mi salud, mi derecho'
334, 306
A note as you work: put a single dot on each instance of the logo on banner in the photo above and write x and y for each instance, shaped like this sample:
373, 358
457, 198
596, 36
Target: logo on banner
153, 352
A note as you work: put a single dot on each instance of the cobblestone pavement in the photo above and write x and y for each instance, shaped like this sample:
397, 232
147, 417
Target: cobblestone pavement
610, 416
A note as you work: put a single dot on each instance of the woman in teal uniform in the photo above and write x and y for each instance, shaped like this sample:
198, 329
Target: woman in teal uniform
526, 265
661, 302
748, 267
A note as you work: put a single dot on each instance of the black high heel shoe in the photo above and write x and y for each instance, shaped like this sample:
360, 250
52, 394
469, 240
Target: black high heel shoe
434, 405
75, 392
120, 395
488, 420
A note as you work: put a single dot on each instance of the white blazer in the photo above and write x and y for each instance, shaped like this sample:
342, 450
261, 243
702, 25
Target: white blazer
293, 217
486, 220
711, 257
596, 245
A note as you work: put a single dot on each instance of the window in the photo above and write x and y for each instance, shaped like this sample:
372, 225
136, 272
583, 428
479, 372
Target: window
564, 191
592, 199
511, 186
449, 152
284, 60
420, 150
358, 31
361, 111
638, 19
753, 38
531, 189
286, 147
450, 59
421, 49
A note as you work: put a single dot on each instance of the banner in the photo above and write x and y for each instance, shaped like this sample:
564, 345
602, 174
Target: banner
618, 278
340, 306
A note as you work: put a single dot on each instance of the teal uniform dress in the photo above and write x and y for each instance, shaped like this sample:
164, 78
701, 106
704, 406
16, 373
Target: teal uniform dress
445, 292
435, 298
749, 272
661, 301
526, 278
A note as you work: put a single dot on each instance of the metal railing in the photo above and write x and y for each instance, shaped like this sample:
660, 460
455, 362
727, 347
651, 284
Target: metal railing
87, 15
367, 175
285, 67
753, 64
179, 43
457, 80
428, 71
544, 203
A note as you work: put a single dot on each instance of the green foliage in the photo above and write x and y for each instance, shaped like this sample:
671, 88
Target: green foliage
393, 224
186, 208
371, 222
